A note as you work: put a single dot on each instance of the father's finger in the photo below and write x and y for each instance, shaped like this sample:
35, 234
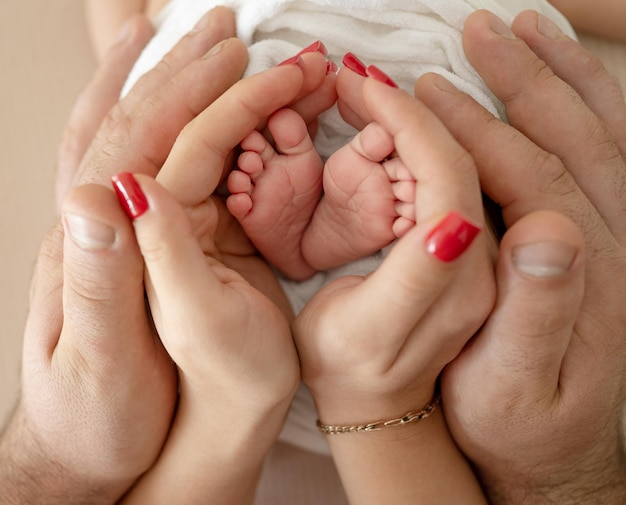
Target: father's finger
216, 25
578, 67
142, 140
96, 100
549, 112
519, 353
516, 173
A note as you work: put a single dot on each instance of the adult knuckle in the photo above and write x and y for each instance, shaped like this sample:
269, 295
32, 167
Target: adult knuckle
116, 131
541, 72
553, 175
601, 142
538, 75
165, 66
88, 286
595, 69
464, 165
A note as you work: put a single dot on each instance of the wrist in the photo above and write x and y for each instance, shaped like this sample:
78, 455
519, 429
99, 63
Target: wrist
408, 462
364, 408
29, 473
596, 481
214, 453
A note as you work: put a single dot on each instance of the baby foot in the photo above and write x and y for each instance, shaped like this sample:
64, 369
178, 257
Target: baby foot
369, 201
276, 190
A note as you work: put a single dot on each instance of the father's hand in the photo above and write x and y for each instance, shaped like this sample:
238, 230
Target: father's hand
536, 400
98, 390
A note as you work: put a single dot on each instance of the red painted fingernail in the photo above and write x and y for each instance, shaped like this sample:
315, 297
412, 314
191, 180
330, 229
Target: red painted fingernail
331, 67
130, 195
376, 73
317, 47
294, 60
451, 237
353, 63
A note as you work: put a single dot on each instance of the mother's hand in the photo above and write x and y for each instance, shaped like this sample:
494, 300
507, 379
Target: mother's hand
536, 400
238, 368
372, 347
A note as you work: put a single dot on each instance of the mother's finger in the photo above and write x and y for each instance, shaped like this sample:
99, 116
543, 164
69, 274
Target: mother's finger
550, 113
445, 172
194, 167
350, 101
449, 213
173, 257
96, 100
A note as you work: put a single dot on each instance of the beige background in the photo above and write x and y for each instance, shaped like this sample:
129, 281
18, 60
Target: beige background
46, 59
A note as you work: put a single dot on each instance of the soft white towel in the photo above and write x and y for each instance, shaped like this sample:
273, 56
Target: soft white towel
405, 38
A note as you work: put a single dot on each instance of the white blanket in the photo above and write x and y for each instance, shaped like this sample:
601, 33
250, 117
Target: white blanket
405, 38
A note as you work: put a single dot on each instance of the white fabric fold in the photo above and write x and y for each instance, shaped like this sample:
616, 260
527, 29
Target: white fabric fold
405, 38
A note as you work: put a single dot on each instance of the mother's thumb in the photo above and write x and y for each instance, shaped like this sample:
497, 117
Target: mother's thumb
178, 276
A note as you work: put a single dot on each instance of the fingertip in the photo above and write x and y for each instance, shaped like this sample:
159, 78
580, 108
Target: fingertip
130, 194
531, 23
451, 237
132, 38
140, 195
349, 87
543, 245
424, 261
434, 88
485, 35
162, 228
93, 219
224, 18
484, 24
143, 29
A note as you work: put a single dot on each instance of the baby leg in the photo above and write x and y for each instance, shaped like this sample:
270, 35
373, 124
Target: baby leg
368, 202
276, 190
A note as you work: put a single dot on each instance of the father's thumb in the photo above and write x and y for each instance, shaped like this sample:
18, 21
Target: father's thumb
103, 293
540, 282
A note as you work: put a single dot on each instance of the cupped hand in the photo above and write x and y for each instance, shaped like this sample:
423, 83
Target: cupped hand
237, 364
414, 313
536, 400
98, 390
214, 241
371, 348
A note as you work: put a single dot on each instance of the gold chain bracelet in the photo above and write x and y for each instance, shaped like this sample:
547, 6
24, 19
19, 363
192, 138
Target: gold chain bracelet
407, 418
